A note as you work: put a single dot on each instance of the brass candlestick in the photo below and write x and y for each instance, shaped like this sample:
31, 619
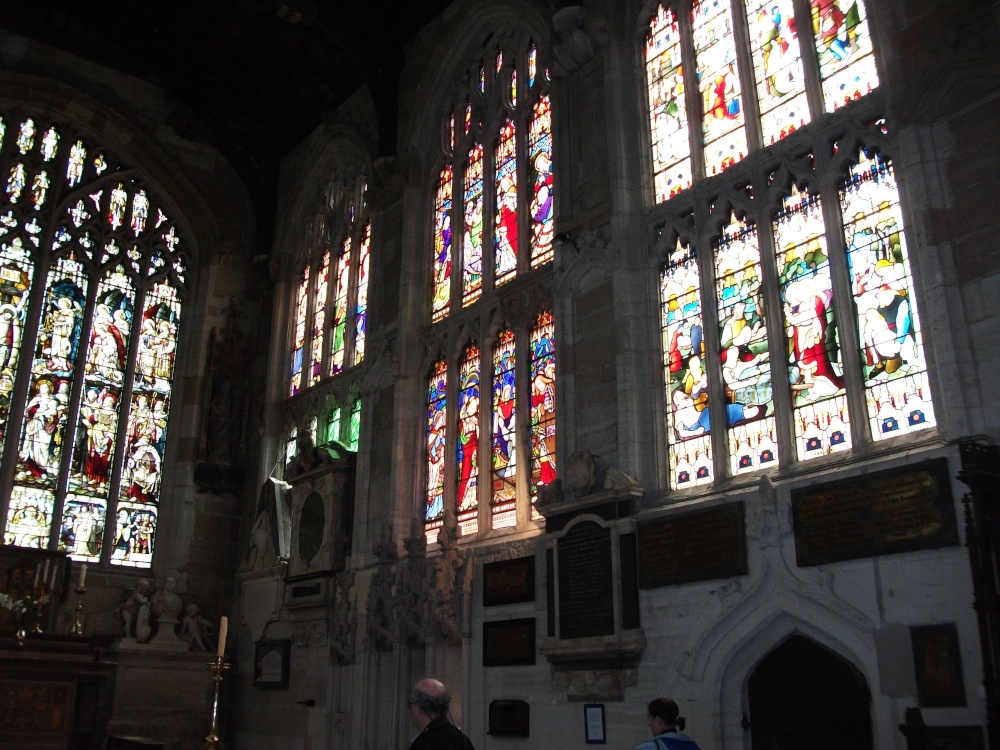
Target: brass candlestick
218, 668
77, 627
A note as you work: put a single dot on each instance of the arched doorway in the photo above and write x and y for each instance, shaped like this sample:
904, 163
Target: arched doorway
804, 697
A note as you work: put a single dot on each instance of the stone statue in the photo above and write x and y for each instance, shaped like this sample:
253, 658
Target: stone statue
165, 602
260, 552
453, 574
196, 631
342, 631
135, 613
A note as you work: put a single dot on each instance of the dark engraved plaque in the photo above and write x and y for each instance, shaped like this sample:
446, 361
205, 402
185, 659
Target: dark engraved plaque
897, 510
509, 581
954, 738
938, 664
699, 546
509, 718
586, 598
509, 643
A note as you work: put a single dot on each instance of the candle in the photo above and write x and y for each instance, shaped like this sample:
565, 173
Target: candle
83, 575
223, 630
45, 577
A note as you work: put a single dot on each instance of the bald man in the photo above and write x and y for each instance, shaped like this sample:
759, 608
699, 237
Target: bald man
428, 704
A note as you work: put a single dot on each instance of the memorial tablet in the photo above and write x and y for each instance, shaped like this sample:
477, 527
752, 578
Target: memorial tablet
509, 581
897, 510
699, 546
586, 596
509, 643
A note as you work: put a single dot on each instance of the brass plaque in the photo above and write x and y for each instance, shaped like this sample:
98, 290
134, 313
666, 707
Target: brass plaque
699, 546
897, 510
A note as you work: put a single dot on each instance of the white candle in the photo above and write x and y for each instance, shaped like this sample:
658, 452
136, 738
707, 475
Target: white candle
83, 575
45, 576
223, 631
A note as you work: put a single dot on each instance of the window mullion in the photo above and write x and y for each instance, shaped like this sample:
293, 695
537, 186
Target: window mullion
692, 94
810, 62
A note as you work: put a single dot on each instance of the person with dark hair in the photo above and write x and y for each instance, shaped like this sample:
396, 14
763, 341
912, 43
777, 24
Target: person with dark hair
666, 725
429, 703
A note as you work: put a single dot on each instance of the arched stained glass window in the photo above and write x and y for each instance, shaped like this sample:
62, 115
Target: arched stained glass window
540, 169
467, 496
683, 334
472, 241
437, 434
503, 148
87, 373
744, 346
718, 71
816, 377
299, 335
543, 403
504, 464
733, 122
497, 133
346, 251
505, 258
353, 436
668, 121
892, 352
319, 318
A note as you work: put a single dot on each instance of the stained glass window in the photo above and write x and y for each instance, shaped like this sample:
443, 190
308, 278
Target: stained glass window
484, 158
839, 47
437, 401
342, 283
543, 403
467, 496
718, 71
504, 462
540, 169
777, 63
505, 259
442, 243
361, 295
745, 352
816, 376
844, 46
299, 334
499, 170
472, 243
892, 352
319, 318
683, 333
668, 122
97, 354
354, 426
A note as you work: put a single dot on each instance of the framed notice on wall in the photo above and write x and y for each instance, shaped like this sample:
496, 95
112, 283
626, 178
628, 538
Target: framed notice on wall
270, 664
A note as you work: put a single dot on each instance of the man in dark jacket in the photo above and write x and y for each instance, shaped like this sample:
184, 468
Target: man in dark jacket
428, 704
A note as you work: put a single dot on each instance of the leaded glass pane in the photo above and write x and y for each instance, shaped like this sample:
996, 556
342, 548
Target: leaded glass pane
506, 204
16, 272
719, 83
338, 342
668, 121
543, 403
361, 295
683, 331
540, 176
504, 491
442, 243
468, 441
354, 428
777, 63
472, 244
892, 352
745, 357
844, 45
437, 400
815, 368
299, 334
319, 318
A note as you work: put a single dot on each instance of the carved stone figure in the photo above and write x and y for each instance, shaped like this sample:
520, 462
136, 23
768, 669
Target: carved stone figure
165, 602
582, 473
135, 613
260, 552
343, 626
453, 574
196, 630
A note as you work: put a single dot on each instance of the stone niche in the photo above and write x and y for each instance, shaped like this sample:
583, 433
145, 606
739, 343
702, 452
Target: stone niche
594, 640
320, 495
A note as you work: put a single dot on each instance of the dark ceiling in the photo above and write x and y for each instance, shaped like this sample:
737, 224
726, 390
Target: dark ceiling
252, 77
